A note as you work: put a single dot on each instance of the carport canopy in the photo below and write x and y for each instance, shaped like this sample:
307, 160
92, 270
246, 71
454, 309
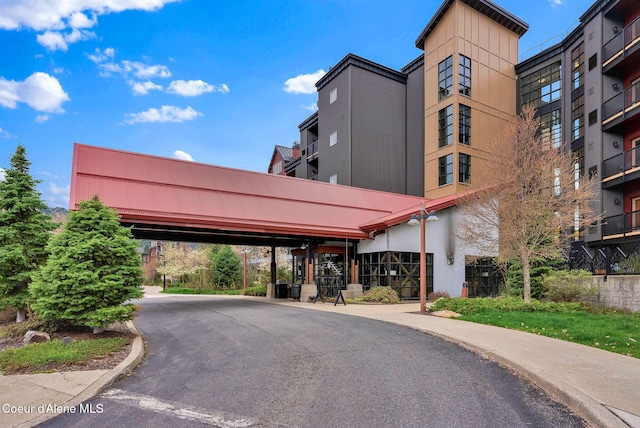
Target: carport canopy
176, 200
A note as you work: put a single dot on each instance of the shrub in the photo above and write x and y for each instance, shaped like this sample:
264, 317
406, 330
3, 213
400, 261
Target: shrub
381, 295
435, 295
506, 304
258, 290
569, 286
539, 268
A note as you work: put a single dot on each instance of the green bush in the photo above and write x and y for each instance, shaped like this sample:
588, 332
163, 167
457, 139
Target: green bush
381, 295
281, 273
539, 268
504, 304
569, 286
258, 290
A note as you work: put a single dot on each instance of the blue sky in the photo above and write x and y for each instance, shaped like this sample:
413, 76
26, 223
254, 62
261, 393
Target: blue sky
218, 82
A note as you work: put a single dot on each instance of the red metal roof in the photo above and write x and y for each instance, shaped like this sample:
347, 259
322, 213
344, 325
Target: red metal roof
161, 191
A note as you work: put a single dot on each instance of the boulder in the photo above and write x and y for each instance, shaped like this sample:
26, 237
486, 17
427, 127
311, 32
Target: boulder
446, 314
33, 336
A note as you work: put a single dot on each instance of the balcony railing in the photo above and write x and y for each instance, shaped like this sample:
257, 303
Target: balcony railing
621, 43
621, 165
621, 226
622, 105
312, 150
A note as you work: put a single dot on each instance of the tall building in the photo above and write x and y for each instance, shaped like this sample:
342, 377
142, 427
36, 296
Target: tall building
586, 90
470, 50
367, 131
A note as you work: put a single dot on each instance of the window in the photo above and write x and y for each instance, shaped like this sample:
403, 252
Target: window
577, 66
464, 168
464, 123
464, 75
333, 95
277, 168
577, 118
578, 163
551, 129
333, 138
593, 61
445, 170
333, 179
445, 78
593, 117
445, 126
542, 87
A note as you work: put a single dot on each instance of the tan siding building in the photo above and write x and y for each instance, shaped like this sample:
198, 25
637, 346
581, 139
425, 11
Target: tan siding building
470, 52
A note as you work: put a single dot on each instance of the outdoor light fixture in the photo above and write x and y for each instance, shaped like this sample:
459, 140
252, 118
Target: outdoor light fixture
615, 30
616, 201
614, 86
420, 219
615, 144
244, 252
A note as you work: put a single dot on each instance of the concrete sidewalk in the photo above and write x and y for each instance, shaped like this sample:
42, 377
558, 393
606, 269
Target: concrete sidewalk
599, 386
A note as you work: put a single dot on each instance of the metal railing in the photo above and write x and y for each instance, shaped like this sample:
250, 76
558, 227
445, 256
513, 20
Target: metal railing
621, 225
621, 104
621, 42
620, 164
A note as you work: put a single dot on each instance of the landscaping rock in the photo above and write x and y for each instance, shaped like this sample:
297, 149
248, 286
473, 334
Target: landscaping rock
33, 336
446, 314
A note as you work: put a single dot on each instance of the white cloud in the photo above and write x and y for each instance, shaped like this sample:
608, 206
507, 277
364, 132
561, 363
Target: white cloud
311, 107
165, 114
138, 69
40, 91
55, 40
143, 88
556, 2
303, 83
5, 134
41, 118
193, 88
58, 15
99, 57
58, 196
179, 154
3, 174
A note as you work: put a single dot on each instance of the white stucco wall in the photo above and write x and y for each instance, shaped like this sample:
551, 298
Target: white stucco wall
441, 241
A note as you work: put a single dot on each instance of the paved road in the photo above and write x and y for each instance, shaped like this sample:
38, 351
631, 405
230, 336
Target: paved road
232, 362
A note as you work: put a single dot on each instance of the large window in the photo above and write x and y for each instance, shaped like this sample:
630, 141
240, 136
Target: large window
542, 87
464, 75
445, 78
577, 118
551, 129
445, 170
400, 271
445, 126
577, 66
464, 168
464, 123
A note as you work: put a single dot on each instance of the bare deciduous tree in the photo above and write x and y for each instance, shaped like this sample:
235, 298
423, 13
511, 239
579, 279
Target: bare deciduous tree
529, 201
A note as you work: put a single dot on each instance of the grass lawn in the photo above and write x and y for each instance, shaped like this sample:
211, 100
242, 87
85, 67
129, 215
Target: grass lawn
40, 356
610, 330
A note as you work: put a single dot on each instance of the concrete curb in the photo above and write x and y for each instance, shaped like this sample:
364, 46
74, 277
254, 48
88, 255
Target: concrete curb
134, 358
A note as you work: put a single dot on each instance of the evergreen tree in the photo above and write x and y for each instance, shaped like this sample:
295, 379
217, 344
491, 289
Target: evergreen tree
93, 269
226, 267
24, 233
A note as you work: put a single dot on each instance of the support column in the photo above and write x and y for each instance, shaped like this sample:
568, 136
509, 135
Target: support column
273, 265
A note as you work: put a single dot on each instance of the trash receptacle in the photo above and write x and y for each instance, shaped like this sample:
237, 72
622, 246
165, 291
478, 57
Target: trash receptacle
281, 289
295, 291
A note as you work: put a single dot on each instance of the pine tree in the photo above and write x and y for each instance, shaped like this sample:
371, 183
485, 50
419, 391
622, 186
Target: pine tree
93, 269
226, 267
24, 233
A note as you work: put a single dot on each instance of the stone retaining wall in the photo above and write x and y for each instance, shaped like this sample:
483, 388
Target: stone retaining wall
619, 291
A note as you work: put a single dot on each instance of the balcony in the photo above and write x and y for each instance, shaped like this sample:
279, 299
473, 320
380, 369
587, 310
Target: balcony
621, 107
621, 168
621, 46
623, 226
312, 151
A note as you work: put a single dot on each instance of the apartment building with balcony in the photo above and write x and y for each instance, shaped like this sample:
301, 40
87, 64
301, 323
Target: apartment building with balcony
586, 90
